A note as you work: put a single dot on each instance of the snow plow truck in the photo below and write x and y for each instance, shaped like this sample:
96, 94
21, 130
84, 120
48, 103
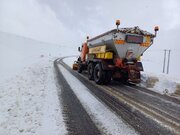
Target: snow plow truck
115, 55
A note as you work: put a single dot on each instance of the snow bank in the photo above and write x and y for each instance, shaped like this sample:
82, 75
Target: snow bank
161, 83
29, 102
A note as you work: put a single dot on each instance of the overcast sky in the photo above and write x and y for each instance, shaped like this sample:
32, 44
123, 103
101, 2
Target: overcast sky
68, 22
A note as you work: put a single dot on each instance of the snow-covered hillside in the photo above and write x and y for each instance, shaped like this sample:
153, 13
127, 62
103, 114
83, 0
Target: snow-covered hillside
18, 52
28, 90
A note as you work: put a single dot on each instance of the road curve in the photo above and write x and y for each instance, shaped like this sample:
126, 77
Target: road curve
147, 111
77, 120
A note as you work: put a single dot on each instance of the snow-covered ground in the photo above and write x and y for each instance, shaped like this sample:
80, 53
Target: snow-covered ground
17, 52
70, 60
161, 83
29, 102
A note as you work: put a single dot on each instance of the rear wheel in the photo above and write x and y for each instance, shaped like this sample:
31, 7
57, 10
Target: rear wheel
99, 74
124, 78
108, 77
90, 71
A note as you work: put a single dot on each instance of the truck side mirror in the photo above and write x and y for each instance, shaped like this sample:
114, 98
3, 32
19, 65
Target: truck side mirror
79, 49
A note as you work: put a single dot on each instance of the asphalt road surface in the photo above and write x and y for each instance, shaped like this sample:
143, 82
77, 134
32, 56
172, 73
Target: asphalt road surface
148, 112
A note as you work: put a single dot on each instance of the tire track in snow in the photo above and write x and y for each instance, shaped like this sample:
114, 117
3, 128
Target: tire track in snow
139, 121
106, 121
76, 118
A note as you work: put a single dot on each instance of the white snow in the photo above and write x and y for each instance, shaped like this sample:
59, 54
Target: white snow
106, 120
17, 52
29, 102
70, 60
161, 83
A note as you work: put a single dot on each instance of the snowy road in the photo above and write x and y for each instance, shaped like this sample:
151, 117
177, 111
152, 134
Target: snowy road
104, 119
34, 103
129, 108
36, 99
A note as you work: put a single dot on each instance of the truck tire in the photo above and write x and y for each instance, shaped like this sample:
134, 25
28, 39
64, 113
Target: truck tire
90, 71
124, 78
80, 68
99, 74
108, 77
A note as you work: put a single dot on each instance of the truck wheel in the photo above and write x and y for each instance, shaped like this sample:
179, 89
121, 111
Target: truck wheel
99, 74
80, 68
90, 71
124, 78
108, 77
